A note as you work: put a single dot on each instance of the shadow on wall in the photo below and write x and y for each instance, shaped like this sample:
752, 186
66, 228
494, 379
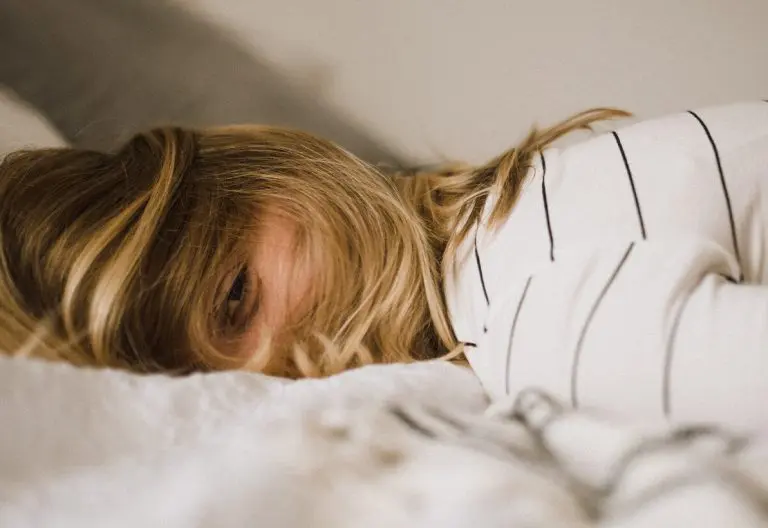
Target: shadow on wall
100, 70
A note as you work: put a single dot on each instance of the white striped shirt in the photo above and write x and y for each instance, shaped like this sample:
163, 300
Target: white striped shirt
631, 273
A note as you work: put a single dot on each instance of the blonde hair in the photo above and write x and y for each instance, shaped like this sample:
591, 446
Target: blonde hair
116, 259
451, 198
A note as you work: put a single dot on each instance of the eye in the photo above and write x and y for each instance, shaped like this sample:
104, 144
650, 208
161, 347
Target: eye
240, 303
237, 291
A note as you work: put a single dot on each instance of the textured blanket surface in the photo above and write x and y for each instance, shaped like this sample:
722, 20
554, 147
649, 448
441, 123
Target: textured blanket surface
413, 445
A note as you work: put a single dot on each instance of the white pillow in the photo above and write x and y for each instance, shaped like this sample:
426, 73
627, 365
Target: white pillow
23, 127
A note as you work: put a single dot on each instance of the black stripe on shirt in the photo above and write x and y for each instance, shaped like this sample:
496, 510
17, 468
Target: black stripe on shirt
480, 271
590, 316
546, 206
631, 184
666, 380
725, 193
512, 333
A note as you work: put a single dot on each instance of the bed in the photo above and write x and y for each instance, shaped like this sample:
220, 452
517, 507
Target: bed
399, 445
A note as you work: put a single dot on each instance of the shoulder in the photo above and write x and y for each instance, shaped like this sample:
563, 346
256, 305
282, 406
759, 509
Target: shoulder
685, 132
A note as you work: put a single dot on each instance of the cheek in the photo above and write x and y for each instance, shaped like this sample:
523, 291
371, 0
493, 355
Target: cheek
284, 301
285, 284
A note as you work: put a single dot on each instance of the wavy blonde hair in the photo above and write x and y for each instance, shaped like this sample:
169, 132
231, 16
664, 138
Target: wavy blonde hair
450, 199
116, 259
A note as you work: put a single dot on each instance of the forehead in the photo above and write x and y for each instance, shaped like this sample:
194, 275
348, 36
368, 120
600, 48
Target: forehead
277, 230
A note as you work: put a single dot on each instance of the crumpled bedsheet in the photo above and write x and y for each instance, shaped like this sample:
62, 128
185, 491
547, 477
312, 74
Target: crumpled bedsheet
399, 445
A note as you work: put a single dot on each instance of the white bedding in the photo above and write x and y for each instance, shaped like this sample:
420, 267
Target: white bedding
21, 126
380, 446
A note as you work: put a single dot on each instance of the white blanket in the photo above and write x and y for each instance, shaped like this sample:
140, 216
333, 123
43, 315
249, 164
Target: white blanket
381, 446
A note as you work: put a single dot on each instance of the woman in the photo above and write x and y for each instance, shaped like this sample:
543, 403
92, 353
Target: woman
215, 249
238, 247
269, 249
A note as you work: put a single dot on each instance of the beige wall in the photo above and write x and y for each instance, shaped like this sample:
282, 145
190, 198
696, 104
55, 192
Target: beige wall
463, 79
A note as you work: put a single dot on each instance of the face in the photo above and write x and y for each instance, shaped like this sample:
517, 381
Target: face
269, 292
